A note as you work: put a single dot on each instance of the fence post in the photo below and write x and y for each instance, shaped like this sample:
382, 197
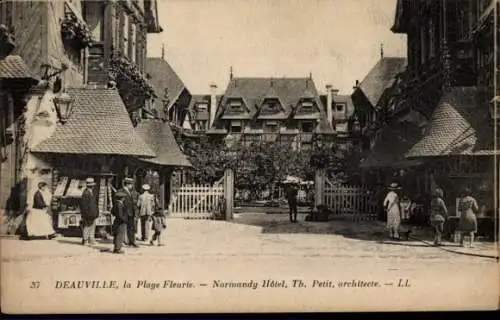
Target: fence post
228, 193
319, 184
163, 180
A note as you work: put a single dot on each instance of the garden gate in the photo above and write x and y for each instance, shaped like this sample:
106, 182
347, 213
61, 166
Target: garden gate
197, 201
351, 202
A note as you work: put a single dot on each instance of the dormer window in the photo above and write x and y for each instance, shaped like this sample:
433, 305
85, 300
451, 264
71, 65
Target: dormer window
271, 105
307, 106
201, 106
235, 105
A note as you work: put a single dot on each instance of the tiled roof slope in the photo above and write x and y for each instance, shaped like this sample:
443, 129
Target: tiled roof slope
459, 126
254, 90
163, 76
381, 77
13, 67
160, 138
99, 124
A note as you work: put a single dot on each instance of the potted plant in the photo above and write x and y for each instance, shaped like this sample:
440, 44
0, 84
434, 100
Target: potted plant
75, 32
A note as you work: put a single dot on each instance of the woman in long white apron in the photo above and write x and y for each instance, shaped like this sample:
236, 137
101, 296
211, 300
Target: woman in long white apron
38, 220
392, 205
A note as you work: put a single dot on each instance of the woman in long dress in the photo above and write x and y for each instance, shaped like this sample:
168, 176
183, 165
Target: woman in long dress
38, 221
467, 206
392, 205
439, 213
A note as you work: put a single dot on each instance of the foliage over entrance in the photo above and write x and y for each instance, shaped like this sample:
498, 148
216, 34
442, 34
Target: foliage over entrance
262, 163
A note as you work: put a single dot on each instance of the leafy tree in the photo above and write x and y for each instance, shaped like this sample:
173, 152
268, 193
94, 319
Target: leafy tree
260, 165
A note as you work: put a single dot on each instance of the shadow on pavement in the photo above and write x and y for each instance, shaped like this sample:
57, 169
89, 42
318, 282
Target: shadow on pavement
279, 223
95, 247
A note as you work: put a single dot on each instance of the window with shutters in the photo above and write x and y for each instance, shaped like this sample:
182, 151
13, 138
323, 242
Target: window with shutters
124, 30
236, 126
132, 41
138, 48
423, 45
116, 30
432, 39
6, 13
93, 14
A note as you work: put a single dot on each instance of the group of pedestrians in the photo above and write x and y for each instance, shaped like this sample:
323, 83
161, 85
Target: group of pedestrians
132, 212
131, 209
397, 213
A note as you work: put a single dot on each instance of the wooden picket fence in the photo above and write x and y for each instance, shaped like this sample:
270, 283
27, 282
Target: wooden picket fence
351, 202
196, 201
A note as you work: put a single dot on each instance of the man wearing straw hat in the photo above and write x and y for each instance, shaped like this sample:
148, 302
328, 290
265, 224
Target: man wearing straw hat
89, 211
147, 206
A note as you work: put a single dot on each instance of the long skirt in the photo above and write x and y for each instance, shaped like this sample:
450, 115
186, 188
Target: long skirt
468, 222
393, 218
39, 223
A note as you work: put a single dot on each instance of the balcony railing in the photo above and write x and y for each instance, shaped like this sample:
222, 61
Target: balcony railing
269, 137
306, 136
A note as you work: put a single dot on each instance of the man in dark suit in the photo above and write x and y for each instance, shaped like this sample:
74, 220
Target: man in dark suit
130, 211
120, 222
89, 212
135, 206
291, 196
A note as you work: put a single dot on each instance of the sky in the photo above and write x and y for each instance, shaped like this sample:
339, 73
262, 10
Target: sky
337, 41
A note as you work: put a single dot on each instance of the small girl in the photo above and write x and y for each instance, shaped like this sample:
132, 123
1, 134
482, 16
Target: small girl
158, 225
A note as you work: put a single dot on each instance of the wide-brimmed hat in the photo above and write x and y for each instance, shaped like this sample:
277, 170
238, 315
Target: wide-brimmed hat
146, 187
291, 179
394, 186
90, 182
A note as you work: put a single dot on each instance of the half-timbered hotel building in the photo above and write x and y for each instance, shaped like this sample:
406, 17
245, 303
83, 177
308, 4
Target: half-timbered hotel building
78, 121
448, 92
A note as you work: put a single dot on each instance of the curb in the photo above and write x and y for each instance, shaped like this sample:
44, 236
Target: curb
10, 236
456, 251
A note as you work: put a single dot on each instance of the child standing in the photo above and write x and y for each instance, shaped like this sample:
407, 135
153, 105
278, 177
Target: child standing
158, 225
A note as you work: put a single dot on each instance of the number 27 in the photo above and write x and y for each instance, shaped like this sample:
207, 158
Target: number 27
35, 285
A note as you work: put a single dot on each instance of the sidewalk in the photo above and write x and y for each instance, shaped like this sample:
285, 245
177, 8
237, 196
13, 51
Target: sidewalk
365, 230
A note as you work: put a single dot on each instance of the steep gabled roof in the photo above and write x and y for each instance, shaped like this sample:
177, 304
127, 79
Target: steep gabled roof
400, 22
160, 138
13, 67
99, 124
460, 125
164, 76
381, 77
254, 90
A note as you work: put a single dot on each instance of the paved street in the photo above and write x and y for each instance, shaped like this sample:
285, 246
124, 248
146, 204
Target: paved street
253, 247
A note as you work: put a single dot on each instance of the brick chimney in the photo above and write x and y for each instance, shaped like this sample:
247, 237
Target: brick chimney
329, 102
213, 104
